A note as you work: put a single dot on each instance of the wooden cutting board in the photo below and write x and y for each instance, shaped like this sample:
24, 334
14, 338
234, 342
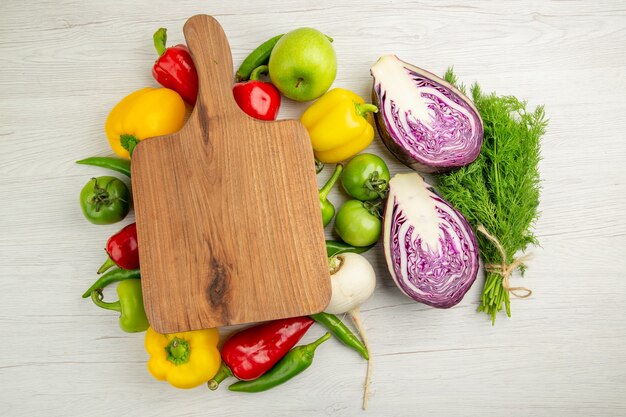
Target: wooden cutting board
227, 210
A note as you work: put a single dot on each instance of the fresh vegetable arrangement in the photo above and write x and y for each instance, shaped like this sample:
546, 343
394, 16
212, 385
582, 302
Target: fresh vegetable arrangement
499, 193
130, 305
353, 281
105, 200
116, 164
302, 64
122, 250
145, 113
358, 223
294, 362
366, 177
328, 209
425, 122
484, 150
174, 68
252, 352
258, 99
430, 248
185, 360
339, 124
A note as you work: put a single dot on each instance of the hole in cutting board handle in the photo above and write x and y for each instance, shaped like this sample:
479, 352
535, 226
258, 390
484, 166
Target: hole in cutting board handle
211, 55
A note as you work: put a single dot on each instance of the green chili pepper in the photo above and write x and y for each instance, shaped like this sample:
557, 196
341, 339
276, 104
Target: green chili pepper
341, 332
260, 56
116, 164
111, 277
294, 362
130, 305
328, 210
335, 247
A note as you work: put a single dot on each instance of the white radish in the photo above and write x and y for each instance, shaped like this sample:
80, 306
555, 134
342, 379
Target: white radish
353, 281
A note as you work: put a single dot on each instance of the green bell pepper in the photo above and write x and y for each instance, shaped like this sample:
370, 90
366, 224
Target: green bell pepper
130, 305
327, 208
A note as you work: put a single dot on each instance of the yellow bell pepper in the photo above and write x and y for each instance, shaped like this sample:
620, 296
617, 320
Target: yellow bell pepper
186, 359
339, 124
143, 114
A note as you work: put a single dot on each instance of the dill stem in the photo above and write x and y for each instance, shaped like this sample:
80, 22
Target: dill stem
496, 170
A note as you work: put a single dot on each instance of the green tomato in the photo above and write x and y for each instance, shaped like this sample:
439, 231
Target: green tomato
105, 200
358, 223
366, 177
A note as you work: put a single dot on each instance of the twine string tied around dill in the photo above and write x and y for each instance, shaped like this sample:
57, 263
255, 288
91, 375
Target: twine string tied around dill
503, 269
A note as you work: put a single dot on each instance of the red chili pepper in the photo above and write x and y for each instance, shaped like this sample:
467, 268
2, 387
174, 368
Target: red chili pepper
250, 353
256, 98
175, 69
122, 249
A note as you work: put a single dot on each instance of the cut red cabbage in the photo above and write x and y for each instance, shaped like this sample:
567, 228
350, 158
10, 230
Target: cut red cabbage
430, 249
426, 122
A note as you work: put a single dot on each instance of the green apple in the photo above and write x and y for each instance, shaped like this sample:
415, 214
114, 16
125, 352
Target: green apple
303, 64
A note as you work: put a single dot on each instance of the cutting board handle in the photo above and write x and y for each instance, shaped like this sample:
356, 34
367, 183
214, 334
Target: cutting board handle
211, 55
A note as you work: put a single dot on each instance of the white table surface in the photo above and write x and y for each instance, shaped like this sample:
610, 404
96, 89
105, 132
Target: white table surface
64, 64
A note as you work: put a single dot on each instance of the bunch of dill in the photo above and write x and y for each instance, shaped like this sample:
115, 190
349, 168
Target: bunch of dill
500, 190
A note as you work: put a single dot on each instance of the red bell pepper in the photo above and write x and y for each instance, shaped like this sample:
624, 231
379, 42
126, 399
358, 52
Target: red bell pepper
250, 353
256, 98
122, 249
174, 69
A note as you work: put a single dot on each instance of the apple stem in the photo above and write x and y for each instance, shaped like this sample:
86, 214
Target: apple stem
299, 81
364, 108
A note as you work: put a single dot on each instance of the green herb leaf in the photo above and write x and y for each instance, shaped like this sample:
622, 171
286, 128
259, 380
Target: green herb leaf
500, 190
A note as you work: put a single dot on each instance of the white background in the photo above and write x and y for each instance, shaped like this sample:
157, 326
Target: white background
64, 65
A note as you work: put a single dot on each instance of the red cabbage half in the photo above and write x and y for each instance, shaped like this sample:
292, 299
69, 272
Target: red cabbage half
423, 120
431, 250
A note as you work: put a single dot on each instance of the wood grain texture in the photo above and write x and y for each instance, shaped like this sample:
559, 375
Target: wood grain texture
227, 209
64, 66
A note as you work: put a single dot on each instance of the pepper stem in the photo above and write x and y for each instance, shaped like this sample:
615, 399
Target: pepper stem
319, 166
178, 351
160, 37
260, 70
221, 375
323, 193
129, 142
312, 346
109, 263
363, 108
96, 297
